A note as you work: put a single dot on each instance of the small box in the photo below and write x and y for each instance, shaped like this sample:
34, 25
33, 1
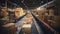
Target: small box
26, 28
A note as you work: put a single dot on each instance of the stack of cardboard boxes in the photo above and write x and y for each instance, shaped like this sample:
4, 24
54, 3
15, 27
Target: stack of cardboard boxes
6, 27
19, 12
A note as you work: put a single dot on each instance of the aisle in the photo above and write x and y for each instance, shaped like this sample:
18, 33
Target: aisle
34, 29
28, 19
39, 30
19, 24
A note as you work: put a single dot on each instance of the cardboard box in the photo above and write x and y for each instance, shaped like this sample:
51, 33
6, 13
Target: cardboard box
10, 28
26, 28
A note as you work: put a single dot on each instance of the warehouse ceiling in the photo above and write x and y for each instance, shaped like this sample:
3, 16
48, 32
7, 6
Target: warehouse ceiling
26, 4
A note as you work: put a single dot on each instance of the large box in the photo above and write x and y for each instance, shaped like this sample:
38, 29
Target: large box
57, 21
